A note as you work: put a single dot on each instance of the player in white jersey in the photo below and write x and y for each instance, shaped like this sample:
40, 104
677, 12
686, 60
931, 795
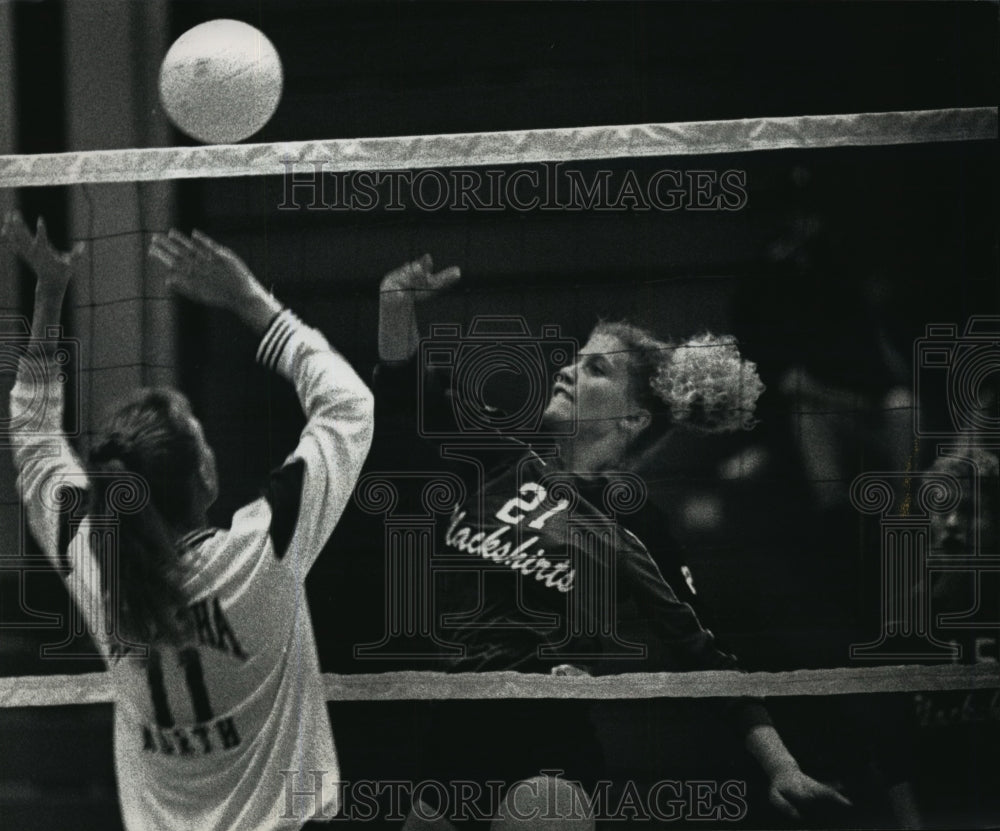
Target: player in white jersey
220, 714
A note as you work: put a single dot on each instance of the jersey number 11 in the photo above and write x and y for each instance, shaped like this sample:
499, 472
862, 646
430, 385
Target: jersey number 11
190, 660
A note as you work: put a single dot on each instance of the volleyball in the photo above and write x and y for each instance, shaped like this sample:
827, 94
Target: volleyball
221, 81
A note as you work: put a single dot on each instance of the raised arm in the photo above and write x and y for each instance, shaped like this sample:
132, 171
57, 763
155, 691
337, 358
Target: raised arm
206, 272
397, 379
399, 294
307, 494
53, 269
42, 456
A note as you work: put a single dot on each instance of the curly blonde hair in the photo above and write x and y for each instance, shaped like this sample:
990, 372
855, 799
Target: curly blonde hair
708, 385
703, 384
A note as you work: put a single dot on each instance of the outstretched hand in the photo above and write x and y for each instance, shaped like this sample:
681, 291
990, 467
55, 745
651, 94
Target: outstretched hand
206, 272
398, 294
53, 268
202, 270
418, 280
793, 792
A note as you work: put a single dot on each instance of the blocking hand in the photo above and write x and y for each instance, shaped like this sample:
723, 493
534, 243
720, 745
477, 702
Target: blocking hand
204, 271
53, 268
793, 792
417, 280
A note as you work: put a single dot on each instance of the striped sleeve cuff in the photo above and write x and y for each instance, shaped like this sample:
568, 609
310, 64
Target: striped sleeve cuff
275, 341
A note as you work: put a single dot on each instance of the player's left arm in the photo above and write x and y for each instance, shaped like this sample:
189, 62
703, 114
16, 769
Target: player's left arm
790, 789
399, 293
308, 493
43, 457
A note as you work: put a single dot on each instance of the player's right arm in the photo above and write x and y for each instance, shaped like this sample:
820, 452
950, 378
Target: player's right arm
307, 494
43, 457
397, 378
399, 293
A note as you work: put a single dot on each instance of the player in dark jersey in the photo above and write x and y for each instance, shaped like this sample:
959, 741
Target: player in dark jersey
539, 569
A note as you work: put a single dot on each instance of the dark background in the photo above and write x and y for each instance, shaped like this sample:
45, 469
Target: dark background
791, 583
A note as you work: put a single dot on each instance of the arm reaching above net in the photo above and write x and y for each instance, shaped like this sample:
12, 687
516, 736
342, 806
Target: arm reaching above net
399, 293
44, 459
308, 493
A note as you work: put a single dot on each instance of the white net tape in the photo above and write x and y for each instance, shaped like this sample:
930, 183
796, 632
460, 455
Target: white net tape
96, 687
573, 144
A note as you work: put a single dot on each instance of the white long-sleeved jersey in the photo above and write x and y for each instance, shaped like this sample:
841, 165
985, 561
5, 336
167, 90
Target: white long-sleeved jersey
225, 731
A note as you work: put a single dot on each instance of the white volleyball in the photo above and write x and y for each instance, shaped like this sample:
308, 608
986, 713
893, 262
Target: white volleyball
221, 81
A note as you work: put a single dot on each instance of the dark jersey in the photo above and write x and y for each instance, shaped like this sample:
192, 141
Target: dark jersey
534, 566
533, 574
395, 450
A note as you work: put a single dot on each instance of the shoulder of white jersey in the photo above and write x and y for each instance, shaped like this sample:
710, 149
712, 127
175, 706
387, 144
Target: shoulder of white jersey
272, 516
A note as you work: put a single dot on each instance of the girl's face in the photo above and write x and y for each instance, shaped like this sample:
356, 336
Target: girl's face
596, 389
